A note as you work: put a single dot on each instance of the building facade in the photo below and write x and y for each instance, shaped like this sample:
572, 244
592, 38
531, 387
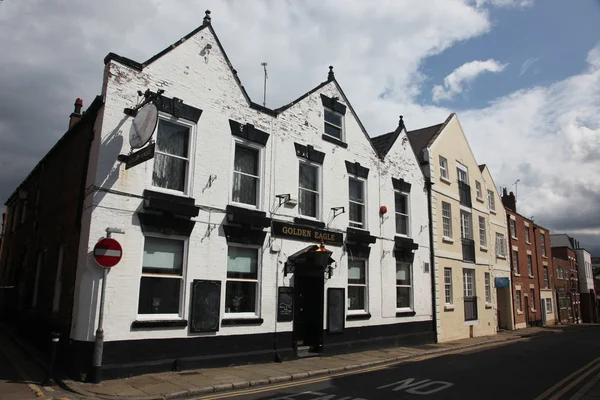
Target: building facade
531, 268
252, 233
465, 252
566, 281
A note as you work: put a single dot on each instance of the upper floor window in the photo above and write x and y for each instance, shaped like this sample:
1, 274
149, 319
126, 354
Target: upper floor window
545, 276
513, 228
500, 245
357, 202
515, 260
478, 192
309, 190
482, 232
543, 242
444, 168
527, 239
529, 265
447, 219
172, 156
334, 124
462, 174
246, 175
402, 218
465, 225
491, 200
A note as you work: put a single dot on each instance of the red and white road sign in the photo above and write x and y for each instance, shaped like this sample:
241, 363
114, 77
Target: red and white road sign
107, 252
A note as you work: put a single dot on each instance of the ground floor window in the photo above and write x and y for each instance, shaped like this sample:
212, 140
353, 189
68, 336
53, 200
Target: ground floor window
242, 290
404, 285
357, 285
548, 305
562, 302
488, 289
162, 276
518, 300
448, 285
532, 298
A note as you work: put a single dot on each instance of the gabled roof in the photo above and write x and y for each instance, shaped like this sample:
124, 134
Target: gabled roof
482, 167
273, 112
383, 143
560, 240
420, 139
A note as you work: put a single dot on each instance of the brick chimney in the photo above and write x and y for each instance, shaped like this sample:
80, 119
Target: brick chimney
509, 200
76, 114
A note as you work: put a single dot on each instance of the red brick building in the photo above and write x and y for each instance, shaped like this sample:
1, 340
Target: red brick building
567, 284
531, 262
41, 234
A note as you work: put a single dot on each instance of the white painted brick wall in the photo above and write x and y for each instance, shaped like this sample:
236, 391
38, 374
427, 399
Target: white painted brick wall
206, 82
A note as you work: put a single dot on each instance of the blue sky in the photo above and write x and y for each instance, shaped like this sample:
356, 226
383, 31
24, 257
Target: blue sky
557, 33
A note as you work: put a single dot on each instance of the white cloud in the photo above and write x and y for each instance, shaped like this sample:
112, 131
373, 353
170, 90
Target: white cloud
503, 3
527, 64
456, 81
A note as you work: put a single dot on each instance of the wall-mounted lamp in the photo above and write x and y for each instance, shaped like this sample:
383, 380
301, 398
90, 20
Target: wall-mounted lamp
286, 199
337, 211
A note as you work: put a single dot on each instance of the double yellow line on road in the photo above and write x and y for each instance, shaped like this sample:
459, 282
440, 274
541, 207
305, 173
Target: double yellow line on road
555, 392
271, 388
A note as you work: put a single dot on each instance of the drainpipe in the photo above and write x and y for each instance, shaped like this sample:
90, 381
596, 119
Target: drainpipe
432, 269
512, 271
537, 264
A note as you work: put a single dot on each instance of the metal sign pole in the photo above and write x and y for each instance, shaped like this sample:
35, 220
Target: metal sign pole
99, 341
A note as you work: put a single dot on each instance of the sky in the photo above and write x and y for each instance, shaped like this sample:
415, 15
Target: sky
523, 77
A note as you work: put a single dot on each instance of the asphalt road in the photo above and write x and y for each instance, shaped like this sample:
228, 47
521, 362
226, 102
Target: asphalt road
519, 370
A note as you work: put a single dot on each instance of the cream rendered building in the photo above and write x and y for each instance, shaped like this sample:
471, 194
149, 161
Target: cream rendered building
497, 254
463, 237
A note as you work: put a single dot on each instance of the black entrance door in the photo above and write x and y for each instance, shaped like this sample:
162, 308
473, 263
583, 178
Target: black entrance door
308, 310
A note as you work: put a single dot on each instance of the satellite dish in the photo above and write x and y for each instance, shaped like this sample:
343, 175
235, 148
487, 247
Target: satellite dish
143, 126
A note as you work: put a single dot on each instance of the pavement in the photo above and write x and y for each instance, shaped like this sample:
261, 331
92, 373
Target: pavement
250, 381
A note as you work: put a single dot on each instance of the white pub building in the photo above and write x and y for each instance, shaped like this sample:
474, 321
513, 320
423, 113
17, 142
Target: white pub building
250, 234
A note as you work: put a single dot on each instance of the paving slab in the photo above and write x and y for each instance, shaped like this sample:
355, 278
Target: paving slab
159, 388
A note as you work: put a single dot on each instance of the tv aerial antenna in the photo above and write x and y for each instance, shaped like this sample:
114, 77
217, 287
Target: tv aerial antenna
264, 65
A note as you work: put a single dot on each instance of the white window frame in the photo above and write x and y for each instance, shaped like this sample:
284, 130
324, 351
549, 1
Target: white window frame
532, 299
513, 228
407, 215
559, 272
478, 192
469, 291
515, 260
342, 130
546, 276
58, 279
500, 245
488, 288
491, 201
447, 220
319, 189
365, 287
189, 173
461, 168
466, 225
519, 300
256, 313
355, 224
444, 171
183, 277
259, 187
529, 265
527, 233
448, 286
411, 286
543, 243
482, 232
548, 306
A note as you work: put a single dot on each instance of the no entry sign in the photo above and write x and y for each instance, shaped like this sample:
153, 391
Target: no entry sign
107, 252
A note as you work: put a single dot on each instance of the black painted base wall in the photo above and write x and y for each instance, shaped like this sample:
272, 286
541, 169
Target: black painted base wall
134, 357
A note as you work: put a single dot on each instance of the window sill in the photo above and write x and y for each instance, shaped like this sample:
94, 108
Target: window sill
163, 323
449, 307
501, 256
514, 237
531, 276
483, 248
544, 256
447, 239
528, 242
241, 321
517, 274
479, 199
519, 312
445, 180
358, 317
493, 212
533, 310
333, 140
410, 313
488, 305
